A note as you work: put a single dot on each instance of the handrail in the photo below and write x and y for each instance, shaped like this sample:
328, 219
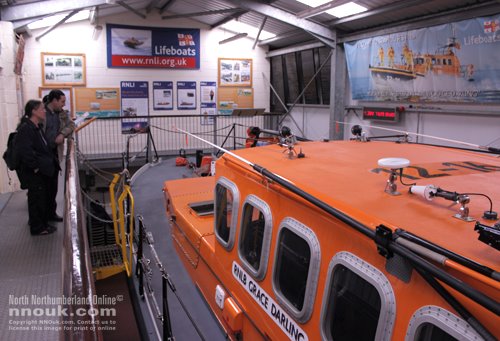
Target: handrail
112, 200
126, 194
78, 281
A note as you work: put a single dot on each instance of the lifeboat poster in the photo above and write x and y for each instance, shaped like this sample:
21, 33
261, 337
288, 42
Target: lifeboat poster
134, 102
455, 62
152, 47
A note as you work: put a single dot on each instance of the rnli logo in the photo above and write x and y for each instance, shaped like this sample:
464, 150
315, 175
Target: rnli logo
185, 39
491, 26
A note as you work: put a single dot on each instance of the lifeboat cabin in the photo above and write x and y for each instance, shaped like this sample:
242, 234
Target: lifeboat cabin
332, 245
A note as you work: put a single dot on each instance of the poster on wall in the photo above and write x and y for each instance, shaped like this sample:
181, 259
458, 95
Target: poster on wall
186, 95
455, 62
44, 91
97, 102
234, 98
163, 95
63, 69
208, 94
134, 102
207, 114
235, 72
208, 91
153, 47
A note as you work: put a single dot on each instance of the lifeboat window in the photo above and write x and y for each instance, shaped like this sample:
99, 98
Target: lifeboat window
357, 294
296, 268
255, 236
432, 323
449, 62
226, 211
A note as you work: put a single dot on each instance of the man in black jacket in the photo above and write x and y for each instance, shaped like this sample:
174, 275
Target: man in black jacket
58, 126
37, 166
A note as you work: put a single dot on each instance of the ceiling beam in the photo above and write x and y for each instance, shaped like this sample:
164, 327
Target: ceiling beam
284, 16
35, 10
56, 25
328, 42
151, 4
199, 14
235, 37
166, 5
380, 10
295, 48
229, 18
131, 9
258, 33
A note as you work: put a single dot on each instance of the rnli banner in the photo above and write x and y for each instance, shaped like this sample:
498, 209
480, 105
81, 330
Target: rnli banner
153, 47
456, 62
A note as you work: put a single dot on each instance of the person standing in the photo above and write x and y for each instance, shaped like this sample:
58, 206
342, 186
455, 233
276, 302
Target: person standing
58, 126
37, 166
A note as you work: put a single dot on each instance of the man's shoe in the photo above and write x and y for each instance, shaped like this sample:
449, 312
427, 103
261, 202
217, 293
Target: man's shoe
51, 228
56, 217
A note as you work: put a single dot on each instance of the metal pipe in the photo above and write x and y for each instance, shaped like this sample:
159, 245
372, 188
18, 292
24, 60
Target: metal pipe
56, 25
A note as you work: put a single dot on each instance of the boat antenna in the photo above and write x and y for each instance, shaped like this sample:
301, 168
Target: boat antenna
487, 148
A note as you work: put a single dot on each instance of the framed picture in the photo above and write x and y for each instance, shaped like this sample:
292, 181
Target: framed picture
63, 69
235, 72
44, 90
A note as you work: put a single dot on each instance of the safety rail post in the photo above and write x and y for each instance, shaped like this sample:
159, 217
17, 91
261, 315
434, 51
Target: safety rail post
139, 271
167, 327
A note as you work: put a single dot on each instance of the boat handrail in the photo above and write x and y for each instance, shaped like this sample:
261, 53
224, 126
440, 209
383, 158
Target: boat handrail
78, 280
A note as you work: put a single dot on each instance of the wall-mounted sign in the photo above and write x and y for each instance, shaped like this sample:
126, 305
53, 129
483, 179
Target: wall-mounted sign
235, 72
186, 95
208, 91
63, 69
381, 114
134, 102
153, 47
455, 62
163, 95
98, 102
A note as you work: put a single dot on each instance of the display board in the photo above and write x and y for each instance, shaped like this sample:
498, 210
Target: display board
163, 95
233, 98
455, 63
134, 102
235, 72
44, 90
99, 102
63, 69
208, 94
153, 47
186, 96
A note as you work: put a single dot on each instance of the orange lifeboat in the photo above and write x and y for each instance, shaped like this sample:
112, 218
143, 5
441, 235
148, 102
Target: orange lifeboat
333, 245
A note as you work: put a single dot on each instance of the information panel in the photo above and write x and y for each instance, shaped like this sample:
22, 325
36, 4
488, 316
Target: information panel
134, 102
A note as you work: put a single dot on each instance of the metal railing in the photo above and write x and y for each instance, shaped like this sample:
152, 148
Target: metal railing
103, 139
78, 280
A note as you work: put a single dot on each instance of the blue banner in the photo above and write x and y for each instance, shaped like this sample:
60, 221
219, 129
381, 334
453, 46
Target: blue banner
153, 47
134, 102
455, 62
186, 95
163, 95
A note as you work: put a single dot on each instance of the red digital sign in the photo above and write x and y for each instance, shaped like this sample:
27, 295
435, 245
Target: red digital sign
381, 114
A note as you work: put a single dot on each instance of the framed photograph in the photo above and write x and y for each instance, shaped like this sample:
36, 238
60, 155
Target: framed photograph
63, 69
44, 90
235, 72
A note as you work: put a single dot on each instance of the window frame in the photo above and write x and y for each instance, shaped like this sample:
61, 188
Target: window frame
450, 323
260, 204
309, 236
373, 276
230, 186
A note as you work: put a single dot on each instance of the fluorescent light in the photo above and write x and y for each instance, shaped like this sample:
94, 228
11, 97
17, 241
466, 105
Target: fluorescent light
54, 19
341, 11
346, 10
239, 27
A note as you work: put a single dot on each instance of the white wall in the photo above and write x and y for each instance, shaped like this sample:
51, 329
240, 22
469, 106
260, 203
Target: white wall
9, 112
77, 38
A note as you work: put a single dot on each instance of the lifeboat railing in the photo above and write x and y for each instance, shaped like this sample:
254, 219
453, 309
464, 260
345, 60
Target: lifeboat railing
78, 278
